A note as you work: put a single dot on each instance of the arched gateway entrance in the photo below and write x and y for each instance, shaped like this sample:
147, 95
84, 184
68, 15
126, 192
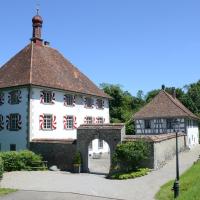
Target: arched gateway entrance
111, 133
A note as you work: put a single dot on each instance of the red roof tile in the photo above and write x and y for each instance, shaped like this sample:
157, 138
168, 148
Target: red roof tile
164, 106
44, 66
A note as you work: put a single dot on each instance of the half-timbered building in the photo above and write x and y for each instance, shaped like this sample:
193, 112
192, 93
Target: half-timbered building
159, 116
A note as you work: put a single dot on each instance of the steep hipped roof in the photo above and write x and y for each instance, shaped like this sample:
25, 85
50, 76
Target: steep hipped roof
44, 66
163, 106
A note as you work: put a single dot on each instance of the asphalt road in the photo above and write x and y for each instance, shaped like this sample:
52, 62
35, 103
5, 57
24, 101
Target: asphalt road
49, 185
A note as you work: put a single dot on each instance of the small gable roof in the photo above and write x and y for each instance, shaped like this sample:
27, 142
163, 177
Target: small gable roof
164, 105
42, 65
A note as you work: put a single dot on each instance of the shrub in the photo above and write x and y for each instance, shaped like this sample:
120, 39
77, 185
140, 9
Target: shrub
121, 176
77, 158
1, 168
22, 160
129, 156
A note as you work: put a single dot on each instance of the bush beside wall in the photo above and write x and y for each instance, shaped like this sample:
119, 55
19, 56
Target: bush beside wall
129, 156
22, 160
1, 168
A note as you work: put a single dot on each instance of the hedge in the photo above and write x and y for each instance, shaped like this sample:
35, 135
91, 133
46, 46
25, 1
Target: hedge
1, 168
22, 160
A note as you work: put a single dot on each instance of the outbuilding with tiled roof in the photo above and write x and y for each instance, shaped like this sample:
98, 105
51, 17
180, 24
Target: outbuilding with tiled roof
161, 115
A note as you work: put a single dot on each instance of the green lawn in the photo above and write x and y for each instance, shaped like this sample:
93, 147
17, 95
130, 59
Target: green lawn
4, 191
189, 186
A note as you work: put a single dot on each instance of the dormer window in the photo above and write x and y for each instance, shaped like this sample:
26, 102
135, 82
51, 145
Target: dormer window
14, 97
100, 103
147, 124
89, 102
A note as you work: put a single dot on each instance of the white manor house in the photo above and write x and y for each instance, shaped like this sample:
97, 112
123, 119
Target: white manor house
43, 97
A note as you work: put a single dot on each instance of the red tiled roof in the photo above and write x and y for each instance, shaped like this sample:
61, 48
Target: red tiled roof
164, 106
44, 66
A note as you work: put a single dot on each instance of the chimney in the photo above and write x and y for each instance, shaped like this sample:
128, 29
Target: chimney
46, 43
174, 92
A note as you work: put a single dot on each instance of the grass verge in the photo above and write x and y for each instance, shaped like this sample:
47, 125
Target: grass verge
4, 191
189, 186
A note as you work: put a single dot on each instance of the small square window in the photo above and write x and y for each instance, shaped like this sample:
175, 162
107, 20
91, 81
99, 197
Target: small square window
88, 120
169, 124
99, 120
99, 103
47, 96
70, 122
47, 122
69, 100
12, 147
14, 97
147, 124
100, 144
89, 102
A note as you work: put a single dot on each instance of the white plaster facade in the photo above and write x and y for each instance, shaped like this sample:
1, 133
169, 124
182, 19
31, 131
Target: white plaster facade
33, 110
18, 137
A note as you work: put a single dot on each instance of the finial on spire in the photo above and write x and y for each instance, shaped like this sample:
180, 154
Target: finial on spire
37, 27
37, 8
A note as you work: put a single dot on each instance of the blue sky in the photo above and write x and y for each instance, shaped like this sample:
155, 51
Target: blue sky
139, 44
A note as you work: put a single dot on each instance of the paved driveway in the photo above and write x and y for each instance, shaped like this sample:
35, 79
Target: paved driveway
96, 185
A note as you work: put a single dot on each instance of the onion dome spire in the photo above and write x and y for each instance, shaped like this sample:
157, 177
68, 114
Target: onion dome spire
37, 28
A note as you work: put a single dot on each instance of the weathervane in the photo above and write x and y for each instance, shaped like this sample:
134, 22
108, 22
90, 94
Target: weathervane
37, 7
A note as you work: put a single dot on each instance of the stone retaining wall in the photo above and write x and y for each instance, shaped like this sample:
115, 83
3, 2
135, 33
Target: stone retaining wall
59, 153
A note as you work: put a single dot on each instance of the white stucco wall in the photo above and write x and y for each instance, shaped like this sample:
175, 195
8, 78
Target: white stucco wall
96, 149
14, 137
192, 136
60, 110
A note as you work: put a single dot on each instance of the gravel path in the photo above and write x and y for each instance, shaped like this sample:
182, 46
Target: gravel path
96, 185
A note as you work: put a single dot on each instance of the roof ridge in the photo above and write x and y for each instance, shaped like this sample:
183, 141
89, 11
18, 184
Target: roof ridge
177, 102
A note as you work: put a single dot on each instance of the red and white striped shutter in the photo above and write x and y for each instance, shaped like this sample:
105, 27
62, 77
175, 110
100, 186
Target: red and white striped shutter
65, 122
41, 122
85, 120
1, 122
8, 122
103, 104
41, 97
53, 97
19, 122
75, 122
85, 102
54, 123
